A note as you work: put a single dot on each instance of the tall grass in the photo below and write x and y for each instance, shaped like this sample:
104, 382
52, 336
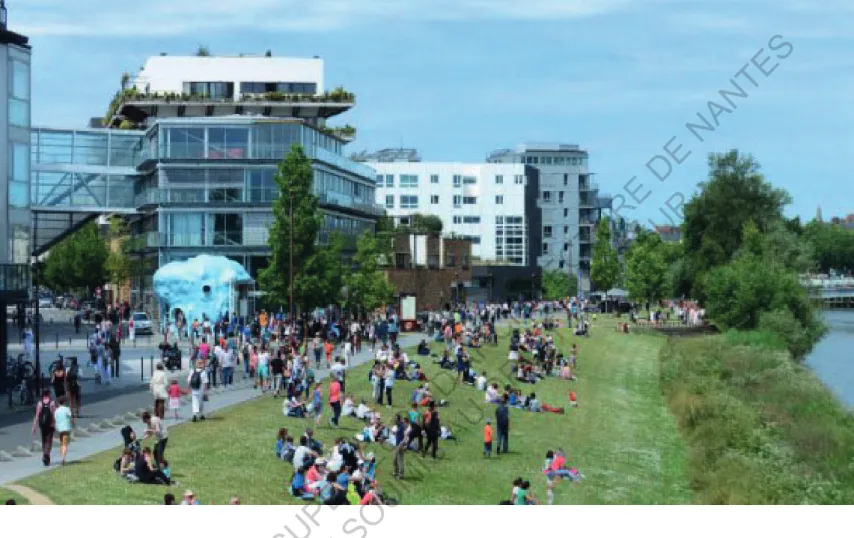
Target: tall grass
760, 339
760, 428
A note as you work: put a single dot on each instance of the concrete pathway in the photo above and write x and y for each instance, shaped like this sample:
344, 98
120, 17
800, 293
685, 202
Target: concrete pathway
32, 496
102, 431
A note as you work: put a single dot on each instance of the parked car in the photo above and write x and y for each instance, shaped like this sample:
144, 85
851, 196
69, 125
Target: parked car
141, 323
45, 302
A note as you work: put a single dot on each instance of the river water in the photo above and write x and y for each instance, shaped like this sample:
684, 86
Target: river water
832, 359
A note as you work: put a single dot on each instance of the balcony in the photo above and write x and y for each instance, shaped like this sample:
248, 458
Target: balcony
134, 107
587, 186
345, 201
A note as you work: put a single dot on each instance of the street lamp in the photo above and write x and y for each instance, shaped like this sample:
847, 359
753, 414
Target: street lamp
37, 269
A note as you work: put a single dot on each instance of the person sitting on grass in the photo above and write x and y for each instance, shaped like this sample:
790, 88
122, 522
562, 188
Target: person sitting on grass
424, 349
349, 408
293, 407
492, 395
523, 495
480, 382
127, 464
363, 412
281, 437
146, 469
298, 485
315, 476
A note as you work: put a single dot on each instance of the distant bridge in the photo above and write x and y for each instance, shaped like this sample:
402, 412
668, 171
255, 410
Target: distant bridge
831, 291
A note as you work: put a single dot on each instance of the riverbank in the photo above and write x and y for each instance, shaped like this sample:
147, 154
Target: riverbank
621, 437
759, 428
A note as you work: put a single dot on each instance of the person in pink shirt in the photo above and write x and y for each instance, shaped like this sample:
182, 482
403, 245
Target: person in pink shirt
335, 401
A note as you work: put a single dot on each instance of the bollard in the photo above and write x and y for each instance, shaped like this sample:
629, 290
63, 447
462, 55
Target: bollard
151, 367
141, 366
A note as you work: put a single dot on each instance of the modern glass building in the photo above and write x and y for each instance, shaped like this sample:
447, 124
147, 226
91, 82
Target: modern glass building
196, 179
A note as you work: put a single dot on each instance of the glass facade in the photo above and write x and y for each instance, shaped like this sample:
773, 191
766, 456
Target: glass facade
305, 88
19, 93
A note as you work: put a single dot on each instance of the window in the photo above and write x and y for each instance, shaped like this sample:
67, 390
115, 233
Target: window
547, 231
19, 72
228, 143
458, 200
212, 90
380, 180
458, 180
547, 196
389, 180
565, 212
434, 179
19, 112
547, 160
389, 201
408, 202
519, 179
471, 220
458, 219
561, 264
227, 229
469, 180
560, 197
560, 160
499, 200
19, 174
565, 247
408, 181
499, 180
434, 199
565, 230
404, 221
469, 200
545, 248
565, 179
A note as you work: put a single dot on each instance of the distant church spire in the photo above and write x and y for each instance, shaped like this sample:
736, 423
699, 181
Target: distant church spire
817, 213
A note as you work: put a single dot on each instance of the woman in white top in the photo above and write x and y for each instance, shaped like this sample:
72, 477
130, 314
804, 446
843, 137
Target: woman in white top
158, 385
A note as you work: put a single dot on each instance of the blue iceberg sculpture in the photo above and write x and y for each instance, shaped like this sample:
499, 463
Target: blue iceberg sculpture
200, 286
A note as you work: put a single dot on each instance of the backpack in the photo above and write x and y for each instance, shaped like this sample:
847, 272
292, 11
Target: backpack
196, 380
45, 415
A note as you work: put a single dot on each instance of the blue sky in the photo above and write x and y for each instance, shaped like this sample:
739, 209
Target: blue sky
459, 78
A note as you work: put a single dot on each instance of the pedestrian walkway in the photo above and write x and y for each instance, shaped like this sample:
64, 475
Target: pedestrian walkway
32, 496
103, 434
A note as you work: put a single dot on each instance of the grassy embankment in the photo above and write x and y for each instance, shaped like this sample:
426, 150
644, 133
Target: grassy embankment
760, 428
622, 438
6, 494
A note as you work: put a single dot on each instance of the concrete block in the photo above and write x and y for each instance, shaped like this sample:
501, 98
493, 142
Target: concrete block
22, 452
5, 456
80, 433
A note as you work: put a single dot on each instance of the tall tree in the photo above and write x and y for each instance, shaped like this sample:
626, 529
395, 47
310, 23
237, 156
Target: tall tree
317, 271
605, 267
557, 284
367, 285
735, 193
119, 264
646, 268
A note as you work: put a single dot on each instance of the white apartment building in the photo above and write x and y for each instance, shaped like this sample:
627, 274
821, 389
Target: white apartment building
483, 201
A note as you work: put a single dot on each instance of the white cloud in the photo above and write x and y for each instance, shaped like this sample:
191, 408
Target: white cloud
176, 17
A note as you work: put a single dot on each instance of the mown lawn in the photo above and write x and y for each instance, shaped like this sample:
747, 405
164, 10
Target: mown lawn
6, 494
621, 437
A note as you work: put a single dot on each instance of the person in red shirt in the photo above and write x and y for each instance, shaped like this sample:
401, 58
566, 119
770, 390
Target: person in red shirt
370, 496
335, 401
328, 347
487, 439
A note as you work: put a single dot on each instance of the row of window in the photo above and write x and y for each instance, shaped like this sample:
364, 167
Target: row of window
549, 160
546, 248
547, 197
548, 230
411, 180
305, 88
466, 219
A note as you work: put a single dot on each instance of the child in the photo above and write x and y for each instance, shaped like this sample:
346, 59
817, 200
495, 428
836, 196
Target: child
487, 439
175, 393
573, 400
317, 404
167, 472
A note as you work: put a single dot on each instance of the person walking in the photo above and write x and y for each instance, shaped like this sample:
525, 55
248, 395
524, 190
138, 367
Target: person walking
228, 365
198, 383
158, 386
154, 427
45, 421
432, 430
335, 401
64, 424
401, 445
502, 421
389, 385
74, 387
59, 381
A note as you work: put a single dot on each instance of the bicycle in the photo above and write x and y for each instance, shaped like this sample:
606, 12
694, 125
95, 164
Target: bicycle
21, 381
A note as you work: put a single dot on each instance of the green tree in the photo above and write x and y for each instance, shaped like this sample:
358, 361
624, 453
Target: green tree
646, 268
605, 266
557, 284
79, 261
119, 265
735, 193
367, 285
318, 272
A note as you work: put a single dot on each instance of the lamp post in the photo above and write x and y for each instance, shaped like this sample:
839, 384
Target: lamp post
37, 266
291, 252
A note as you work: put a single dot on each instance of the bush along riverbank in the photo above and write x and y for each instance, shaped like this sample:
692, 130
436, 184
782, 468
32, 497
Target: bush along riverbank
759, 427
